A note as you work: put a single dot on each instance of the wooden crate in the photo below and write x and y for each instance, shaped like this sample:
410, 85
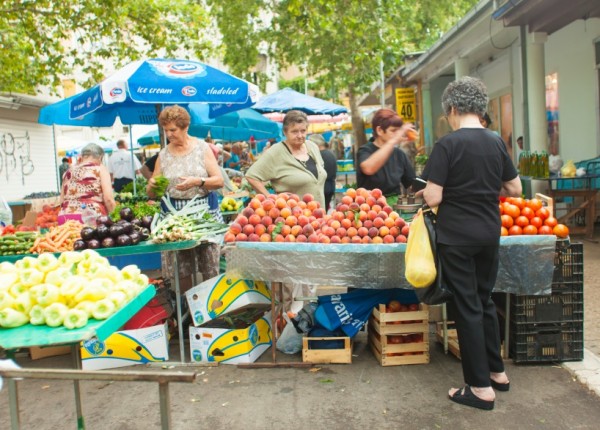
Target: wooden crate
548, 202
36, 352
405, 324
326, 356
453, 345
452, 338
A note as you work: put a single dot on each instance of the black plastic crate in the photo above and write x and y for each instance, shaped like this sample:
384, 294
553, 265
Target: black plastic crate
564, 306
568, 265
539, 343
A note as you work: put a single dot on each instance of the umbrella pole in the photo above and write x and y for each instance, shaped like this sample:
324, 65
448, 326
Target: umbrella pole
132, 163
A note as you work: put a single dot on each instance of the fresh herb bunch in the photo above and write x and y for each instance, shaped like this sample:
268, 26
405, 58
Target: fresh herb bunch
421, 159
161, 186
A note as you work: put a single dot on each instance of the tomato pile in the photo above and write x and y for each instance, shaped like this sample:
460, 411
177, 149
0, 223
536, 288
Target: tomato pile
362, 216
48, 217
528, 217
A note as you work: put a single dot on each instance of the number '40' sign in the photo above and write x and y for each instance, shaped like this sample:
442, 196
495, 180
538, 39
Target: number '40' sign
406, 104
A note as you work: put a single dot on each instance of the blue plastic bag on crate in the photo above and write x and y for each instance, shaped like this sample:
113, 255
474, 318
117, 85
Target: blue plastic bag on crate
350, 311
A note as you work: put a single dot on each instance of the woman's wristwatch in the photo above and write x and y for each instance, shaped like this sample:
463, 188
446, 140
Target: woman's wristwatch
202, 181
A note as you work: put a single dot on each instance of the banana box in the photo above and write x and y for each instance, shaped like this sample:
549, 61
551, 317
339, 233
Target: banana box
126, 348
223, 294
231, 346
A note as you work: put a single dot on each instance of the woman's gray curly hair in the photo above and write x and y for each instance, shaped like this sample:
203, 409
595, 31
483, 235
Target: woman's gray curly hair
465, 95
92, 150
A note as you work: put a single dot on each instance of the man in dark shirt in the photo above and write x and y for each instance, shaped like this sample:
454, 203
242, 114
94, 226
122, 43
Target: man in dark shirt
330, 167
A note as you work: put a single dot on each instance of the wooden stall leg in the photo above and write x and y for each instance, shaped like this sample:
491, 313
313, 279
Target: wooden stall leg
178, 305
276, 290
445, 327
13, 404
75, 353
165, 411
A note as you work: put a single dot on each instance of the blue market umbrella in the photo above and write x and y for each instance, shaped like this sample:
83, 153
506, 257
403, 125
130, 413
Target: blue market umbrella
287, 99
133, 93
238, 125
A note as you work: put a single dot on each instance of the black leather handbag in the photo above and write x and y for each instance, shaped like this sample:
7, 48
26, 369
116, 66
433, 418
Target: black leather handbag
437, 293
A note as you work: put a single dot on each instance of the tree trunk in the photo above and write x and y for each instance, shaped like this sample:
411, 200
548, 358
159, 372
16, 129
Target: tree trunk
358, 125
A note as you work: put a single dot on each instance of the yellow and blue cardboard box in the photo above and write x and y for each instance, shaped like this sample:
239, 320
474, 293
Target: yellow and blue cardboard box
223, 294
231, 346
126, 348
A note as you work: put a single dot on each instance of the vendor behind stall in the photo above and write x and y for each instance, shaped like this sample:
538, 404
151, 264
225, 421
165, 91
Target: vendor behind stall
86, 188
381, 163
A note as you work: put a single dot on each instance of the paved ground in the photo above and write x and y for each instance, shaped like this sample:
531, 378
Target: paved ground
356, 396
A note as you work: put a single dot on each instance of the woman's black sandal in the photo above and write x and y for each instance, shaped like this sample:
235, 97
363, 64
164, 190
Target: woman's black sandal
465, 396
500, 387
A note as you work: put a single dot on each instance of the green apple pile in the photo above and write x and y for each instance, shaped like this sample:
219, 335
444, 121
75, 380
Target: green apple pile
65, 291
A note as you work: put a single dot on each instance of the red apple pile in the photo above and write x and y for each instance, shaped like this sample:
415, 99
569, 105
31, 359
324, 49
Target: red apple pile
362, 216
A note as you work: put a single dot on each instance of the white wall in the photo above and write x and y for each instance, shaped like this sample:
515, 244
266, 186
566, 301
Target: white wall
570, 53
33, 149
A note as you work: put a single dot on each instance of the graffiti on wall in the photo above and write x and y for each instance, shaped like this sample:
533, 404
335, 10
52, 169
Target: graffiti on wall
15, 156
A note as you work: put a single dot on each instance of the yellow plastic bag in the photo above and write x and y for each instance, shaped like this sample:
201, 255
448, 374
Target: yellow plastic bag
568, 170
420, 271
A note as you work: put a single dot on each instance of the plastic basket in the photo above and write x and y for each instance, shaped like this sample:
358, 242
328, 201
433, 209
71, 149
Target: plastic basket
568, 265
539, 343
566, 306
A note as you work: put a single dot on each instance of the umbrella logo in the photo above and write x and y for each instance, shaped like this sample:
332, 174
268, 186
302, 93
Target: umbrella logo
178, 69
115, 92
188, 91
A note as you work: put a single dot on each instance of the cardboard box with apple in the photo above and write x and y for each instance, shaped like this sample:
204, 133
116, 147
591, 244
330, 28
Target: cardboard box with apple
217, 343
126, 348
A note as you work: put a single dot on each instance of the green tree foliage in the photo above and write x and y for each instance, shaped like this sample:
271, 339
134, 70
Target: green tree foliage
44, 41
340, 42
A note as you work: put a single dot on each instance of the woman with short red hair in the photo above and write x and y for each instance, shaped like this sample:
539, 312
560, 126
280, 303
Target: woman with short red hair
381, 163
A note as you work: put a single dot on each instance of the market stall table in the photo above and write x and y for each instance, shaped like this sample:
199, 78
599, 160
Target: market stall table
29, 336
526, 265
142, 248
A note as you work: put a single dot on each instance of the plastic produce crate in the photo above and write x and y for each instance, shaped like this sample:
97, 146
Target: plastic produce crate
538, 343
568, 266
559, 307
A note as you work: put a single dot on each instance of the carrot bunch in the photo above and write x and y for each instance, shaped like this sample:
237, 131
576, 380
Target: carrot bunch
58, 239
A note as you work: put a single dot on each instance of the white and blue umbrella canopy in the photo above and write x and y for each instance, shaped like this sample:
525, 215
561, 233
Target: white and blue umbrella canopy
134, 92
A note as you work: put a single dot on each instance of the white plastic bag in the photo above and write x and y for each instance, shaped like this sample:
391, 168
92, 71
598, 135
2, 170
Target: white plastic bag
5, 213
290, 341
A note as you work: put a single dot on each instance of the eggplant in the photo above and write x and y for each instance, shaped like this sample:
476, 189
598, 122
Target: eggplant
116, 230
127, 226
123, 240
147, 221
104, 220
135, 238
108, 242
102, 231
93, 244
79, 245
88, 233
126, 214
136, 222
145, 233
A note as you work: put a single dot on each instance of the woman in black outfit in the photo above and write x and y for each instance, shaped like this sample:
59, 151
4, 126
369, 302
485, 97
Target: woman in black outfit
467, 172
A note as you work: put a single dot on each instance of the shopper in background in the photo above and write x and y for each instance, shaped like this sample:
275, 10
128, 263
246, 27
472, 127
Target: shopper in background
86, 186
122, 171
381, 163
330, 165
467, 171
63, 168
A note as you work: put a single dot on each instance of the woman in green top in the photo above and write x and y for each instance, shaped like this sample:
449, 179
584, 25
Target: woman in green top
294, 166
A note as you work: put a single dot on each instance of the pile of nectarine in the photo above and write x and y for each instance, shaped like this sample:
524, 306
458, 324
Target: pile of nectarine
362, 216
